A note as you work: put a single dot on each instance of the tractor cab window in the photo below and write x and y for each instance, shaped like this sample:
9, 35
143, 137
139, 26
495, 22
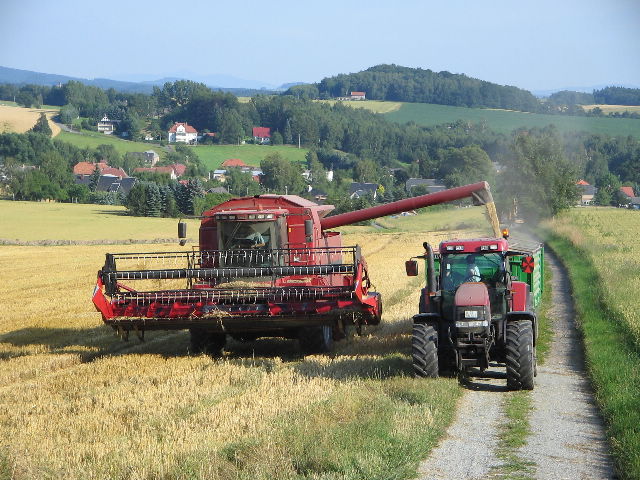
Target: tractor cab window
471, 267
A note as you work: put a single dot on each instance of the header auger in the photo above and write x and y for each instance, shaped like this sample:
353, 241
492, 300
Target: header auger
267, 265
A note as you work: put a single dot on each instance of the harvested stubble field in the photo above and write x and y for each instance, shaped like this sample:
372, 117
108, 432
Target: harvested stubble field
78, 403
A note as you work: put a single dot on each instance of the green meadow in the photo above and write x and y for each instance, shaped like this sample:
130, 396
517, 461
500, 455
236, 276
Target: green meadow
505, 121
211, 155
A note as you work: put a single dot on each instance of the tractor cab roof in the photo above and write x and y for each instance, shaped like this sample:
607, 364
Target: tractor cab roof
474, 245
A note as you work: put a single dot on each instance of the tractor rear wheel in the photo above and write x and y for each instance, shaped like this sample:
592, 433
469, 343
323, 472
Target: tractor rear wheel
520, 355
316, 339
424, 346
204, 341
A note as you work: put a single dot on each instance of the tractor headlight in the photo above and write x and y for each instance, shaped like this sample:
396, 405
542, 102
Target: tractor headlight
472, 324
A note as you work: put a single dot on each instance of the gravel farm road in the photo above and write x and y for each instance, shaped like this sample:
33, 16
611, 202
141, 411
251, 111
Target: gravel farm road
567, 439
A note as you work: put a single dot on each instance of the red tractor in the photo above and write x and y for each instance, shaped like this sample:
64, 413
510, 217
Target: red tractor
266, 265
478, 306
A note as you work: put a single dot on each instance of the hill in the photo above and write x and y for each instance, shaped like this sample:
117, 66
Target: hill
404, 84
27, 77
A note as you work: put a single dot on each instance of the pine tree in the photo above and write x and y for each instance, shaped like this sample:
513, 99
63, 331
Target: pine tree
42, 125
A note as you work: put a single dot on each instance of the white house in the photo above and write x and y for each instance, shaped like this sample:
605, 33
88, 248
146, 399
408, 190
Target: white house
107, 126
182, 132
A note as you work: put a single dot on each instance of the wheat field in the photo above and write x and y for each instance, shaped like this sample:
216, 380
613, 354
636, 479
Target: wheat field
19, 119
76, 402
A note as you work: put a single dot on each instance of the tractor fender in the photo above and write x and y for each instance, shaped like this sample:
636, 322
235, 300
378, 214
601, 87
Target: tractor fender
524, 315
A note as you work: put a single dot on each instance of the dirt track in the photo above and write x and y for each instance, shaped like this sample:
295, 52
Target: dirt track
567, 439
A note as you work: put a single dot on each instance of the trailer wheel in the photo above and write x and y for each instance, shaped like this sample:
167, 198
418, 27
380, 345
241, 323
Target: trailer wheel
520, 355
424, 346
204, 341
316, 339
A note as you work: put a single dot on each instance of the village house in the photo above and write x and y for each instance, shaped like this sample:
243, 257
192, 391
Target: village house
357, 190
633, 200
149, 157
587, 192
358, 96
107, 126
182, 132
262, 135
82, 170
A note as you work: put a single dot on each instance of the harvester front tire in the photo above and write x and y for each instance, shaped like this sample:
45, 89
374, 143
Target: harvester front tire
520, 355
316, 339
204, 341
424, 346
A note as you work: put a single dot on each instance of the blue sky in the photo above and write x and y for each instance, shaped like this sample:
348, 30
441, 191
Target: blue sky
536, 45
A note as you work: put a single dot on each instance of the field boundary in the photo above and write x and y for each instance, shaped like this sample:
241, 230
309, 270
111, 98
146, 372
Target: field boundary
611, 356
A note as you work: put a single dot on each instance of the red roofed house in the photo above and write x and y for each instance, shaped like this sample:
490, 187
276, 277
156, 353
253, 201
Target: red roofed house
587, 192
116, 172
182, 132
82, 169
628, 191
582, 182
234, 162
358, 96
179, 168
262, 134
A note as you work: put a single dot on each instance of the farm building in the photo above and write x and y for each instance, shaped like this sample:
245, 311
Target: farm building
357, 190
431, 185
358, 96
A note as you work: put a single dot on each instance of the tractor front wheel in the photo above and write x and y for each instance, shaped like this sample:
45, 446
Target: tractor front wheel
424, 346
204, 341
520, 355
316, 339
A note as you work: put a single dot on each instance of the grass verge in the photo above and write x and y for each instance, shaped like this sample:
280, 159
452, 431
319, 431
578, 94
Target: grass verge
613, 359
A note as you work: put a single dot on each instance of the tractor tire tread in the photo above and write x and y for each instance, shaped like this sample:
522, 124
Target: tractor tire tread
520, 355
424, 346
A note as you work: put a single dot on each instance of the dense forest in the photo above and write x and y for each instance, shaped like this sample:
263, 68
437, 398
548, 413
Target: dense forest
356, 144
403, 84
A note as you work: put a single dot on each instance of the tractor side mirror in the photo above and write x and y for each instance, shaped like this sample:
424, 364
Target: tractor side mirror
182, 233
412, 268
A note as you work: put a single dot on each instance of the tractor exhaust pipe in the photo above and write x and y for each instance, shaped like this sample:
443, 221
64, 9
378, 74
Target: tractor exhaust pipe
431, 269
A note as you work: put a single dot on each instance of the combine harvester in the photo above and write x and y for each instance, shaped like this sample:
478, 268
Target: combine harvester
266, 266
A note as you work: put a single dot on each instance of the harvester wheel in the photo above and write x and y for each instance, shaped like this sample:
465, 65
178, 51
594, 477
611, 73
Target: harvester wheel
424, 346
316, 339
204, 341
520, 355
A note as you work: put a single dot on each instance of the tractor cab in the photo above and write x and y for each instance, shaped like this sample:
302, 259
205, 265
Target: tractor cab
481, 261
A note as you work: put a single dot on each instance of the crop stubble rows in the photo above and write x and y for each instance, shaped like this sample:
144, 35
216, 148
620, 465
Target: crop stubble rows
76, 402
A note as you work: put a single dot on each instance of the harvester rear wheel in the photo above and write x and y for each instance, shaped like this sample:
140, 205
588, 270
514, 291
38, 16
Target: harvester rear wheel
316, 339
204, 341
520, 355
424, 346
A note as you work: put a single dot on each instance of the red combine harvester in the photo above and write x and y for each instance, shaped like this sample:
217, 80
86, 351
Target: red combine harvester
265, 266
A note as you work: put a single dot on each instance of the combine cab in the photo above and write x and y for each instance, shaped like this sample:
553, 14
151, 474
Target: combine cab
265, 266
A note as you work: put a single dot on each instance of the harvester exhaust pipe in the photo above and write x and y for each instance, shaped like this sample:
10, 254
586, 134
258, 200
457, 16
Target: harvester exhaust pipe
182, 233
479, 192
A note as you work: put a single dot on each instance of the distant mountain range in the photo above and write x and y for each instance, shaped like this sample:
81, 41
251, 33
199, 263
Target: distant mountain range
217, 82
